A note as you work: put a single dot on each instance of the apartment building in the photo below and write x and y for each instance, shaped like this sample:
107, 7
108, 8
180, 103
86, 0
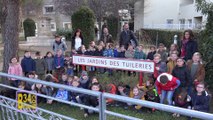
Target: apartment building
168, 14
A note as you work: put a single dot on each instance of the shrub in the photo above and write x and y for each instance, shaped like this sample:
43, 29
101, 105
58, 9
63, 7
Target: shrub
112, 23
29, 27
164, 36
67, 33
84, 19
206, 39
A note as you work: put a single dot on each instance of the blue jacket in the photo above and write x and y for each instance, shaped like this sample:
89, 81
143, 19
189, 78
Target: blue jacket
139, 55
59, 61
108, 53
28, 64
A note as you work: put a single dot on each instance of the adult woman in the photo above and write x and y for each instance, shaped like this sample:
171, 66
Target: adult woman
188, 45
77, 40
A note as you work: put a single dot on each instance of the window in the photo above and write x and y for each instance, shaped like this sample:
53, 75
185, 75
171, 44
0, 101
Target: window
66, 25
53, 26
190, 23
169, 23
49, 9
182, 23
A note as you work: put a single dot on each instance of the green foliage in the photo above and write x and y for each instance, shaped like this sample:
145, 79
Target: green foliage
84, 19
164, 36
206, 39
112, 23
67, 33
29, 27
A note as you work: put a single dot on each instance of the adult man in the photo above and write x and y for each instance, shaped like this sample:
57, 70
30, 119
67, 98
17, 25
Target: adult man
127, 37
106, 37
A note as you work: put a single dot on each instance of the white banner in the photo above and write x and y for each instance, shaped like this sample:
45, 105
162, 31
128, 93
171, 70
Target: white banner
114, 63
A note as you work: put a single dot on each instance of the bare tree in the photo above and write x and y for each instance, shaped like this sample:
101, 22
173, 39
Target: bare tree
31, 7
67, 7
10, 27
99, 7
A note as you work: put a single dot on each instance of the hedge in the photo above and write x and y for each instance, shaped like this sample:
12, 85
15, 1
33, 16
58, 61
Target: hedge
164, 36
84, 19
29, 27
67, 33
112, 23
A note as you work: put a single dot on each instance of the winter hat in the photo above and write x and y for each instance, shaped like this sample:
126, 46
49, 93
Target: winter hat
84, 73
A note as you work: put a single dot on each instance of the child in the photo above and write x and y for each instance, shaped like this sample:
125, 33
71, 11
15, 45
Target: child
137, 94
14, 69
70, 80
82, 51
41, 66
172, 62
49, 59
110, 88
38, 88
59, 64
28, 85
91, 52
59, 44
64, 78
84, 80
166, 85
130, 52
182, 99
123, 90
160, 66
91, 100
173, 49
196, 68
151, 53
76, 97
121, 52
182, 73
162, 52
27, 63
200, 99
50, 91
68, 65
99, 52
115, 51
151, 93
139, 54
108, 52
130, 55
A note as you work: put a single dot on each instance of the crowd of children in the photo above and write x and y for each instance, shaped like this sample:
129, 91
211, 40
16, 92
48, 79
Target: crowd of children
172, 75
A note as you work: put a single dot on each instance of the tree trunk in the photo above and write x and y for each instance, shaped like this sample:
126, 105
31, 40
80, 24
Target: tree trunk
10, 32
99, 28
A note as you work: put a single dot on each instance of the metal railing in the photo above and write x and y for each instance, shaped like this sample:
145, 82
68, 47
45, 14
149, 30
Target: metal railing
174, 26
10, 104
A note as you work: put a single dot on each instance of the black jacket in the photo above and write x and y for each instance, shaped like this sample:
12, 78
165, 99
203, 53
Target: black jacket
201, 103
108, 38
191, 48
183, 74
125, 38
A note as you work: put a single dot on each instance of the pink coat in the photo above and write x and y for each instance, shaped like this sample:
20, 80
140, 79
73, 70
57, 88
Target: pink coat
15, 69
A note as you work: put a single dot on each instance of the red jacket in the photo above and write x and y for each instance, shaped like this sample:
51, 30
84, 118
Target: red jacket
112, 91
172, 84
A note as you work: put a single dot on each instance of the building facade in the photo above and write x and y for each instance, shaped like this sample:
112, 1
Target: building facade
168, 14
47, 18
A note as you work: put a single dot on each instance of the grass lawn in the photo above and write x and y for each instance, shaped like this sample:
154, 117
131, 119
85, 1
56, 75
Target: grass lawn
76, 113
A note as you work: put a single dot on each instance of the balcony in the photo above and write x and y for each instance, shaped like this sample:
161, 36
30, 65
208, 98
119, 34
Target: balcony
175, 26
